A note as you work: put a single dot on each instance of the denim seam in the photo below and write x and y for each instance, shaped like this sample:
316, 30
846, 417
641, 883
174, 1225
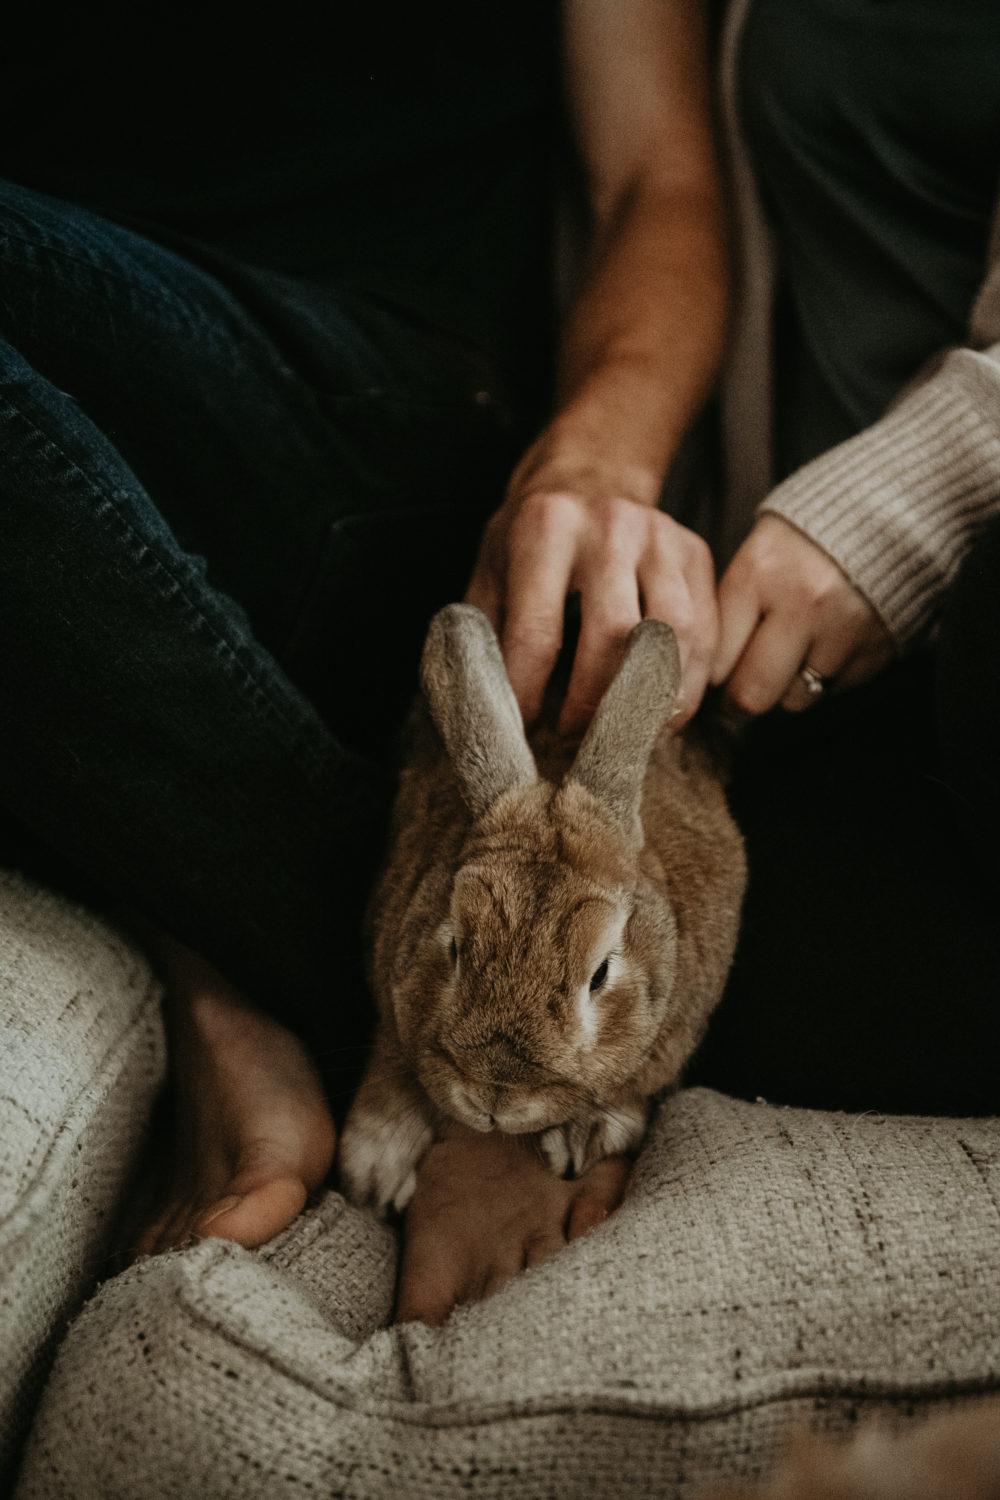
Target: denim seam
109, 511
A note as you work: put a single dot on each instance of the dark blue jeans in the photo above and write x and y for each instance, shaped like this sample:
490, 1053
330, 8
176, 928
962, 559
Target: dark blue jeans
228, 511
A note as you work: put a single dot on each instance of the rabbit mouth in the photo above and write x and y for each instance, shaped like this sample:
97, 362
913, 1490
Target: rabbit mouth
495, 1085
475, 1107
489, 1105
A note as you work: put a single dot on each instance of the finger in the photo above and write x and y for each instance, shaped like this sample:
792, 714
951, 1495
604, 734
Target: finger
770, 661
821, 669
609, 607
855, 666
684, 596
677, 584
865, 665
739, 616
599, 1194
823, 662
841, 657
807, 687
484, 590
484, 593
538, 576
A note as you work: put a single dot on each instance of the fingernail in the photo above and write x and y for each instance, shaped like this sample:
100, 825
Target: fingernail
224, 1206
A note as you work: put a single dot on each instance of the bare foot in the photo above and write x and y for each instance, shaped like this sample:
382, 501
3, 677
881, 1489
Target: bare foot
485, 1208
252, 1131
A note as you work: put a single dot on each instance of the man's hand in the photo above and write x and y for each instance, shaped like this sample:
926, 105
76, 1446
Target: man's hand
785, 605
625, 559
485, 1208
638, 354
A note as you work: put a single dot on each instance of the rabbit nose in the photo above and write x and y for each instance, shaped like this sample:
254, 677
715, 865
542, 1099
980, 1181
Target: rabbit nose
503, 1046
499, 1062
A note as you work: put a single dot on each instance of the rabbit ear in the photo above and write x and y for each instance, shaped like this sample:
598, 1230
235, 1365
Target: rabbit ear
473, 706
611, 762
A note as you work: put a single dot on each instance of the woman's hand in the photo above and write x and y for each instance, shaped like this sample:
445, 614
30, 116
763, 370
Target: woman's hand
785, 606
624, 558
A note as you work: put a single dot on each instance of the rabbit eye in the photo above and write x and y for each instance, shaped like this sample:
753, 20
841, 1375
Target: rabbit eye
599, 976
453, 950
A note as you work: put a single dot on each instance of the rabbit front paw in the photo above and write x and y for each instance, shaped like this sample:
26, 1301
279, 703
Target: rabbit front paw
573, 1148
379, 1154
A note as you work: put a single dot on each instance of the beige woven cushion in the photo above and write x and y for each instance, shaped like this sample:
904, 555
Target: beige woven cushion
81, 1055
769, 1267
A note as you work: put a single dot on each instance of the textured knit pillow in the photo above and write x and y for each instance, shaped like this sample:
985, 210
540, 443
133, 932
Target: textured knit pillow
81, 1055
770, 1267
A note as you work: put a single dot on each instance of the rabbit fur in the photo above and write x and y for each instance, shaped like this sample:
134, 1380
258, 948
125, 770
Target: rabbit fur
554, 922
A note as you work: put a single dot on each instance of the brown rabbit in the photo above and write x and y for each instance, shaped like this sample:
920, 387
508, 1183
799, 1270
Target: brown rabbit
551, 929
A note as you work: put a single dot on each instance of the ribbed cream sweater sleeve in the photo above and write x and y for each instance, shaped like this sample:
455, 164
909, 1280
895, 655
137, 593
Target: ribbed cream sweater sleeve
898, 506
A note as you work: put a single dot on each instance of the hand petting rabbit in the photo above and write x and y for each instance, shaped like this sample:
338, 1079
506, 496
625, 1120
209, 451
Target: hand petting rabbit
554, 923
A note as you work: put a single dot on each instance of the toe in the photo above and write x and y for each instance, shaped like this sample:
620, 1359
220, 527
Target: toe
171, 1231
599, 1194
147, 1241
542, 1247
254, 1209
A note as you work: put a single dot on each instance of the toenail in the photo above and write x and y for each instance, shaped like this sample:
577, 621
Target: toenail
224, 1206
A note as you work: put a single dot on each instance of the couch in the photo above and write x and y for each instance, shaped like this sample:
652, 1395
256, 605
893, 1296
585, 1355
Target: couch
770, 1269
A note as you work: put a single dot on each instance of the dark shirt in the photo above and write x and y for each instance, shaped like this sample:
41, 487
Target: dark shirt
875, 132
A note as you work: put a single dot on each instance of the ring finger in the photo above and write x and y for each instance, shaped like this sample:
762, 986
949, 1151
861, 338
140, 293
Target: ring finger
768, 665
828, 663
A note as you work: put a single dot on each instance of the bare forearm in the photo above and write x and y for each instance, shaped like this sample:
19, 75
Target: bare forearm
641, 350
639, 354
642, 344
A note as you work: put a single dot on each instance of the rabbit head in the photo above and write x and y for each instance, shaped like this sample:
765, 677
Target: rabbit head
536, 976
